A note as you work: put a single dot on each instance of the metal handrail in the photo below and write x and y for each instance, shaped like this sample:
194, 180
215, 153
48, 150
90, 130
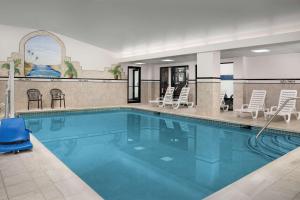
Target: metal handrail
276, 113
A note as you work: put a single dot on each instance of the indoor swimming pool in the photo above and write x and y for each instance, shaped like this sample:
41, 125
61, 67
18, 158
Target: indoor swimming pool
131, 154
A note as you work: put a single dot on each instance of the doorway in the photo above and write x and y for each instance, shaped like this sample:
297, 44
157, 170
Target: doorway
227, 86
178, 79
134, 85
175, 76
164, 80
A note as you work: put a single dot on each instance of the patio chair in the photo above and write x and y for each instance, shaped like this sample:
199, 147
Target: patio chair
256, 104
159, 100
34, 95
288, 109
14, 136
182, 100
168, 98
57, 95
223, 106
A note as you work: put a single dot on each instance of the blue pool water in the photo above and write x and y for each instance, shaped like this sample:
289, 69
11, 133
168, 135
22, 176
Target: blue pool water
127, 154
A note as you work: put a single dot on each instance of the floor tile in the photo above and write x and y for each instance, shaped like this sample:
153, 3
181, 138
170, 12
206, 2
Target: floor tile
51, 192
21, 189
29, 196
16, 179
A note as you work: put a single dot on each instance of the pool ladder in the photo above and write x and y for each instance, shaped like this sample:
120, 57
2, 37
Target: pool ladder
276, 113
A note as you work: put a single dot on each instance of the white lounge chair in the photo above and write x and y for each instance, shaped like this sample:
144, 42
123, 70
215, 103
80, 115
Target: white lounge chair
288, 109
159, 101
256, 104
182, 100
223, 106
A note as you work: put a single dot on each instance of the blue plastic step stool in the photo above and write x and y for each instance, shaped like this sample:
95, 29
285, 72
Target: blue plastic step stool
14, 136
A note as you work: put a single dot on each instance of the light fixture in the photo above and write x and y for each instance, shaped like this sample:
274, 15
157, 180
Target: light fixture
167, 60
139, 63
260, 50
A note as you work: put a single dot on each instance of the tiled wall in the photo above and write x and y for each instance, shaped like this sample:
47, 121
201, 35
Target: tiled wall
78, 94
273, 91
149, 91
208, 97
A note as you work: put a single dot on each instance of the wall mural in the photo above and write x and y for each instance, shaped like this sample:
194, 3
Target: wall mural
42, 57
43, 54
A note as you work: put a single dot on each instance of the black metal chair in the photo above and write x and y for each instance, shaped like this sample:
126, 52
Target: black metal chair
34, 95
57, 95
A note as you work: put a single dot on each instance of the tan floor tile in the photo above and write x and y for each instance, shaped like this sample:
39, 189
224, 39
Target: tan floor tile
3, 194
16, 179
69, 187
83, 196
51, 192
21, 189
232, 193
13, 170
297, 197
274, 195
1, 181
43, 181
29, 196
56, 175
286, 187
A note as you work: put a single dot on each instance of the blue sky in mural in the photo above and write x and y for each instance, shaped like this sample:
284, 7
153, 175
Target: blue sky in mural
42, 50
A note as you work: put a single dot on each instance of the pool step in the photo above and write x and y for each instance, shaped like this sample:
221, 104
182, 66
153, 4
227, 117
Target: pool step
272, 146
293, 139
284, 143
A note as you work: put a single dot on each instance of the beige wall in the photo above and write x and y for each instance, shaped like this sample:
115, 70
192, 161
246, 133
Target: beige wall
78, 94
149, 91
273, 92
208, 97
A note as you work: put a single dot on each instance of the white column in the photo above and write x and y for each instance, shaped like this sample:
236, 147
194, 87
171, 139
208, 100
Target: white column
208, 82
11, 90
238, 86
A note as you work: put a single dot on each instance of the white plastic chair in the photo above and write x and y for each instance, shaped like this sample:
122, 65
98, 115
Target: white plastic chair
256, 104
159, 101
288, 109
223, 106
168, 98
182, 100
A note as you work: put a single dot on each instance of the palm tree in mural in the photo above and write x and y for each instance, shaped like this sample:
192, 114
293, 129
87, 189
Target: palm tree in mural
17, 63
71, 72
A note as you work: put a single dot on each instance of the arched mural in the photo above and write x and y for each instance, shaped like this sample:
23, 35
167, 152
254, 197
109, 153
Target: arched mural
43, 54
42, 57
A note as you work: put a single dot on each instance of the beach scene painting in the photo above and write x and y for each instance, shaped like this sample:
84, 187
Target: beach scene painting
42, 57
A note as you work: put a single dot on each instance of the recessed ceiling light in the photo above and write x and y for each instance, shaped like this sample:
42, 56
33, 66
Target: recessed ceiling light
139, 63
260, 50
167, 60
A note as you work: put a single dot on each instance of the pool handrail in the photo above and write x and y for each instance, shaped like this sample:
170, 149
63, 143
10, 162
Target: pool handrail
276, 113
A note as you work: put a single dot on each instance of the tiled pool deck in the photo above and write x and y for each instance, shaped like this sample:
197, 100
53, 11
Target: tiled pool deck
40, 175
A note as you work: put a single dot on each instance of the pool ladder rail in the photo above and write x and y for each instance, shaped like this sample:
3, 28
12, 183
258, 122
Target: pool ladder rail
276, 113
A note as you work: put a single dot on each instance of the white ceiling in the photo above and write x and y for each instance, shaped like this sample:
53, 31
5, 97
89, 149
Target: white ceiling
176, 59
281, 48
124, 26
